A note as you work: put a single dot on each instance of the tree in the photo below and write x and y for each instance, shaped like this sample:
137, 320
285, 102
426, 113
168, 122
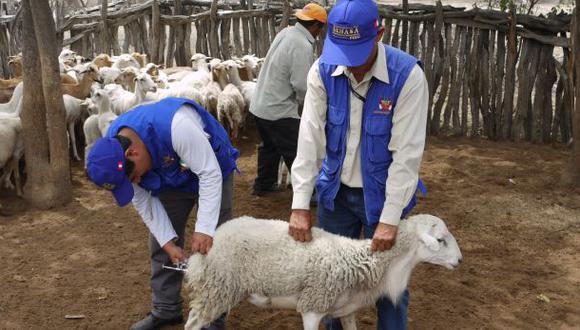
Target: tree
574, 171
43, 115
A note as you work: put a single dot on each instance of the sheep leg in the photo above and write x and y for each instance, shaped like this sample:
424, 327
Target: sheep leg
194, 322
16, 171
280, 171
73, 139
348, 322
311, 320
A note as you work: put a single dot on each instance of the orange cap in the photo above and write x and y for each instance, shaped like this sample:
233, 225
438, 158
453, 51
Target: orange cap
312, 11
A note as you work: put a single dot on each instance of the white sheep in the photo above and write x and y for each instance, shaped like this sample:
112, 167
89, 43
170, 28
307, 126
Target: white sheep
125, 60
11, 150
73, 108
331, 275
122, 100
12, 105
201, 77
247, 88
230, 107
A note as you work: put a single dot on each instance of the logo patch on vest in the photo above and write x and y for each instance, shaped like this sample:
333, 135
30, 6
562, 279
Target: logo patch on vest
346, 32
385, 106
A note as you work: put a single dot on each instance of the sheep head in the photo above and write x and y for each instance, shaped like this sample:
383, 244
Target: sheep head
199, 59
103, 60
140, 58
93, 73
436, 244
145, 83
152, 69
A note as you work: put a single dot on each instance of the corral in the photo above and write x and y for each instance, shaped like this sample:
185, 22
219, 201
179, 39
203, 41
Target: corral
515, 220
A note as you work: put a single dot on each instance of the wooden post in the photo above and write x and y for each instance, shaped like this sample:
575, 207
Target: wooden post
104, 28
574, 169
214, 46
507, 106
404, 35
237, 36
225, 38
180, 59
155, 32
285, 16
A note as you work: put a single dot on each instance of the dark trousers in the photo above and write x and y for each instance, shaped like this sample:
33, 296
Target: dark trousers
279, 139
166, 284
349, 219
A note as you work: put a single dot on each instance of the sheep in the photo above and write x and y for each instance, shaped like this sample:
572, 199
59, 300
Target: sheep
157, 75
102, 60
11, 106
11, 151
230, 105
124, 61
67, 57
122, 101
283, 170
97, 124
140, 58
247, 88
73, 108
83, 88
331, 275
127, 78
109, 75
15, 64
202, 76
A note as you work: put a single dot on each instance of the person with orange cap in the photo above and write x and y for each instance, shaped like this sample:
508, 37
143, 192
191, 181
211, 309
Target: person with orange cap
279, 95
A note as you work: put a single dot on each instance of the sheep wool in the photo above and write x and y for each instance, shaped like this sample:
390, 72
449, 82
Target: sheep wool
251, 256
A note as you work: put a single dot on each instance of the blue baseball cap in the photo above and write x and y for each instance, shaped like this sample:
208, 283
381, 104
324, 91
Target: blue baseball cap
352, 28
106, 168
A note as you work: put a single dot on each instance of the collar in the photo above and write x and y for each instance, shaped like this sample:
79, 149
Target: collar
379, 69
305, 32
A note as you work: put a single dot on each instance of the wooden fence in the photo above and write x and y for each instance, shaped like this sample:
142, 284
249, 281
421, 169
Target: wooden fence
490, 73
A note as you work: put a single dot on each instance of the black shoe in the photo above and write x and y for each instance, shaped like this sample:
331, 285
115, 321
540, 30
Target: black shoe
261, 191
152, 322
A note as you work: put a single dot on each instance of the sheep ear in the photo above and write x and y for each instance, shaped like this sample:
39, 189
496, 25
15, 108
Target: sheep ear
429, 241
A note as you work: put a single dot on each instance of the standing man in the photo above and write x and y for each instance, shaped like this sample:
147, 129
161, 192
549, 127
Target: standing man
362, 136
165, 157
280, 94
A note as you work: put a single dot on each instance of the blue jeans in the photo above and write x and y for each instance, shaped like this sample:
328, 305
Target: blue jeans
349, 219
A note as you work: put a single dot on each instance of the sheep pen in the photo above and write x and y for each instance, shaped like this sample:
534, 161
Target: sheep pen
517, 229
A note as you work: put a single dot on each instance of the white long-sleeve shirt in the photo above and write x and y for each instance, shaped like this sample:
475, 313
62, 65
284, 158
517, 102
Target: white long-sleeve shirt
407, 138
191, 143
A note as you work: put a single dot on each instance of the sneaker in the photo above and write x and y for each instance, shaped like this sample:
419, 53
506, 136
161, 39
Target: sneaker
152, 322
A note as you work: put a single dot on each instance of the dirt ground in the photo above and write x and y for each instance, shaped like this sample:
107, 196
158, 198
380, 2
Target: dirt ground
518, 231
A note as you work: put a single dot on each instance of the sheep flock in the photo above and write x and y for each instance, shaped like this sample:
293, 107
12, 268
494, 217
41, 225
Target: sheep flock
96, 91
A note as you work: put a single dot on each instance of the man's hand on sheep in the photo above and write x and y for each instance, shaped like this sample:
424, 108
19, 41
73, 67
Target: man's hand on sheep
201, 243
175, 253
300, 225
384, 238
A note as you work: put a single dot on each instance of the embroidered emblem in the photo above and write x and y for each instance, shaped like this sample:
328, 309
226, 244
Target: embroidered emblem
346, 32
108, 186
168, 160
120, 166
385, 107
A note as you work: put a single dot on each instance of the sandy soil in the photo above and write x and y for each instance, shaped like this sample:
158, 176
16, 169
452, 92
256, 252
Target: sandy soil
519, 233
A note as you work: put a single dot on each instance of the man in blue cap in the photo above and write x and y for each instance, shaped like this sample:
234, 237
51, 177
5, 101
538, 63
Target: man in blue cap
165, 157
361, 140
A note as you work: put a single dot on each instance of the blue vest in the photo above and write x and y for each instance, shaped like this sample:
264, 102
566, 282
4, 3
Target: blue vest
152, 122
377, 121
